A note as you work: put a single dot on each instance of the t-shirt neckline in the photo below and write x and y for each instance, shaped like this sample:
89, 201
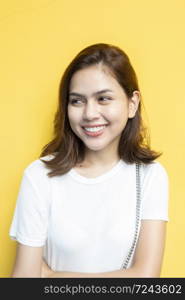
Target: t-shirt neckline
80, 178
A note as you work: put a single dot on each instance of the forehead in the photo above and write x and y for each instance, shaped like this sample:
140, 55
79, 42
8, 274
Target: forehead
92, 79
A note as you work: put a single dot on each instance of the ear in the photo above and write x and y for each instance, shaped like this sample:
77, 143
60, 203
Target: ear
133, 104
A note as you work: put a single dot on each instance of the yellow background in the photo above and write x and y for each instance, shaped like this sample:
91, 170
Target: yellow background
39, 38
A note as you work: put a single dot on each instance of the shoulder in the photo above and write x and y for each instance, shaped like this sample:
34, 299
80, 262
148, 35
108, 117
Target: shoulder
154, 191
36, 169
155, 180
154, 169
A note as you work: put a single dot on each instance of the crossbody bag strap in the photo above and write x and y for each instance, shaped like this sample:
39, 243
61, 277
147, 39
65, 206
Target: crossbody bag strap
138, 205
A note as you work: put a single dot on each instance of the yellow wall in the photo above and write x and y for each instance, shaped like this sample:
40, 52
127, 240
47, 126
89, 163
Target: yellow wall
38, 40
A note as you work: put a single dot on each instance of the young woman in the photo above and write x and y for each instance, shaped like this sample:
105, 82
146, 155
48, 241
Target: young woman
102, 209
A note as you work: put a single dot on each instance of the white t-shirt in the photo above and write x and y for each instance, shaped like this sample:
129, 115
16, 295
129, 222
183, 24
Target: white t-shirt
86, 224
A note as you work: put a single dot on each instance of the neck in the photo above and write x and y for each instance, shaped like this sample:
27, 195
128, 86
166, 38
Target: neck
100, 158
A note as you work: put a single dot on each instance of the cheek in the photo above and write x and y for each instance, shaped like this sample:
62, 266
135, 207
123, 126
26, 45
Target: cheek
73, 116
118, 117
116, 114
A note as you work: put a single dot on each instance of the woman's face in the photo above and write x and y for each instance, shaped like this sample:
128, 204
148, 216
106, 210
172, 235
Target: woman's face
98, 108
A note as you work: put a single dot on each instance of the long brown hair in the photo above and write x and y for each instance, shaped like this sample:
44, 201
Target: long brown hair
66, 148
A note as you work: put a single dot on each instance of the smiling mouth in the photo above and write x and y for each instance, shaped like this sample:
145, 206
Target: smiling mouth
94, 131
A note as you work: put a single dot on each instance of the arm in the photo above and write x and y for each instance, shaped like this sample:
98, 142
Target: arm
147, 260
28, 261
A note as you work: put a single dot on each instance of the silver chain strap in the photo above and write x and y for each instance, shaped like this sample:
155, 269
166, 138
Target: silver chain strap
138, 202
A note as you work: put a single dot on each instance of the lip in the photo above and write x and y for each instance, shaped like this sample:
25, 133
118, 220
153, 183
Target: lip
94, 134
96, 125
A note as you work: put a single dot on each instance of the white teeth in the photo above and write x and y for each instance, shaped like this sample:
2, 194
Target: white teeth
94, 129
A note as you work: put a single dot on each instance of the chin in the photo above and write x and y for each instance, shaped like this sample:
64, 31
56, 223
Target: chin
95, 147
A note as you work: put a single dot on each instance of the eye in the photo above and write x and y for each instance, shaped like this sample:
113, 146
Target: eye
75, 101
80, 101
104, 98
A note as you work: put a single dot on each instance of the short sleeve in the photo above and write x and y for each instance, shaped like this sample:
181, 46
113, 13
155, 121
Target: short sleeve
155, 193
30, 219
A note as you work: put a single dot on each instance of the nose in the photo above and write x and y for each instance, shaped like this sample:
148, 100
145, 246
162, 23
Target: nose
91, 110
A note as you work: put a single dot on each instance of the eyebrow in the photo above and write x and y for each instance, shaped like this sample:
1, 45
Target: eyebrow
96, 93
